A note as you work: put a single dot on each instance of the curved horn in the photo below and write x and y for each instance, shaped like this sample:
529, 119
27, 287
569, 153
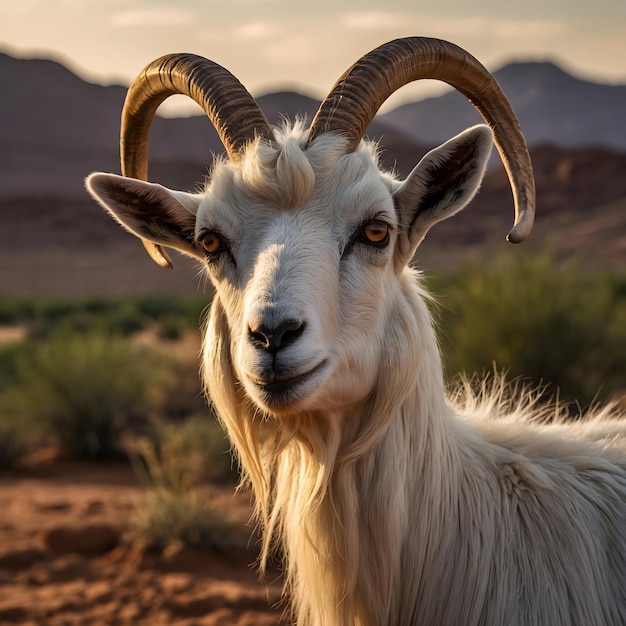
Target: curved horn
359, 93
230, 107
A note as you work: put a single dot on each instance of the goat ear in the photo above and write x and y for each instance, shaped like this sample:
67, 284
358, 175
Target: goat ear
148, 210
442, 184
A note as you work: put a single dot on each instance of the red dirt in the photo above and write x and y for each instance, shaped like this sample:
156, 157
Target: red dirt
67, 557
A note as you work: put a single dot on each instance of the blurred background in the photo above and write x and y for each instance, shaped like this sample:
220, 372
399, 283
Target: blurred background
103, 427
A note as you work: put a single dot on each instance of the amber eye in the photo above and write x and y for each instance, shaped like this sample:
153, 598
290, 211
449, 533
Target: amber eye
376, 232
211, 242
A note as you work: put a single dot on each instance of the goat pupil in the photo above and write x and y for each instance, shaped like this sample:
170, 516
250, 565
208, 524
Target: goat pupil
376, 232
211, 242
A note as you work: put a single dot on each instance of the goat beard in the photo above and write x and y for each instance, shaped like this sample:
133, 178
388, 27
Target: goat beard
309, 472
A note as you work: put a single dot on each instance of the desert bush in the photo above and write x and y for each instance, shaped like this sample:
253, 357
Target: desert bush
86, 390
125, 316
183, 454
173, 315
14, 442
554, 325
16, 438
175, 467
10, 355
181, 392
15, 310
167, 516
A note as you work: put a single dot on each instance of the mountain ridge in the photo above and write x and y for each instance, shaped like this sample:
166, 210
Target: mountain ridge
57, 120
552, 106
57, 128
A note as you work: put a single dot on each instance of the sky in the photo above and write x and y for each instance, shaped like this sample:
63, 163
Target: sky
291, 44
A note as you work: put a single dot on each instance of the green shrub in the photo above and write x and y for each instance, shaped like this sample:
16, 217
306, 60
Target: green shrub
15, 437
181, 392
175, 467
167, 517
184, 454
14, 311
93, 315
86, 390
45, 318
14, 442
10, 355
555, 326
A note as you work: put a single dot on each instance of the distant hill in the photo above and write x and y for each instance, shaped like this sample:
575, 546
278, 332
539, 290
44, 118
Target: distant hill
56, 128
552, 107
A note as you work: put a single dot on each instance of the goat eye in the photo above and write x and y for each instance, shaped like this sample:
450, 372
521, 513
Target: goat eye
376, 232
211, 242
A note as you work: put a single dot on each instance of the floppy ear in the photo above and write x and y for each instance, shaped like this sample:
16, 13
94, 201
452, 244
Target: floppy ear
441, 184
149, 211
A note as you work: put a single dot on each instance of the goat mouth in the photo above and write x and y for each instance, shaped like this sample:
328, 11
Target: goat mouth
281, 391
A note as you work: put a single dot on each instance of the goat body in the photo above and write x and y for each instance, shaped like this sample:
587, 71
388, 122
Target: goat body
391, 502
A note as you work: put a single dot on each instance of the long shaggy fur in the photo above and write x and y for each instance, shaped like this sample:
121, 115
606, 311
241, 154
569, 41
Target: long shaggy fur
392, 501
411, 508
414, 510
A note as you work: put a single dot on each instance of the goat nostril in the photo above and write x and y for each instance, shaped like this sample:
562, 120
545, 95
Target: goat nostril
290, 331
273, 339
258, 338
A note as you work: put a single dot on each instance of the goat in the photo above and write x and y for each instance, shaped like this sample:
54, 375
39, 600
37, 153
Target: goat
392, 502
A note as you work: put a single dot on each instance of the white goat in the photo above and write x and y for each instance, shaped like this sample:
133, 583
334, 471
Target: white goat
392, 505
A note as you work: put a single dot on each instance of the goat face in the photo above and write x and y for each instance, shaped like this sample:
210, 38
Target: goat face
304, 246
309, 283
304, 239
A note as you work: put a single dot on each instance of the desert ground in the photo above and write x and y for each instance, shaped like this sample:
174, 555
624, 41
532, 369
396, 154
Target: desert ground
68, 557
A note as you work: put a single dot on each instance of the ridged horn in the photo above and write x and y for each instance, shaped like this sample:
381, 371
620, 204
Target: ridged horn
359, 93
227, 103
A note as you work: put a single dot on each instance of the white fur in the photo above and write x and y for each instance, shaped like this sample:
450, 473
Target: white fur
390, 502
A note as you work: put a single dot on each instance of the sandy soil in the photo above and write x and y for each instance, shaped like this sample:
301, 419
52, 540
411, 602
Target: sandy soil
67, 557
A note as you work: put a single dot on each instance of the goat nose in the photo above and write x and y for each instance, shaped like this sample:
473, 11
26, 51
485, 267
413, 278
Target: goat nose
273, 339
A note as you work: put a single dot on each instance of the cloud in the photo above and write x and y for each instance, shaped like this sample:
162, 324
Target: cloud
499, 29
156, 16
372, 20
529, 29
469, 26
20, 8
293, 50
250, 33
254, 31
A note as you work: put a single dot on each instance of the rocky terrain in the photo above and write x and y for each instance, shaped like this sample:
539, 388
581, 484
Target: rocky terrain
66, 557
